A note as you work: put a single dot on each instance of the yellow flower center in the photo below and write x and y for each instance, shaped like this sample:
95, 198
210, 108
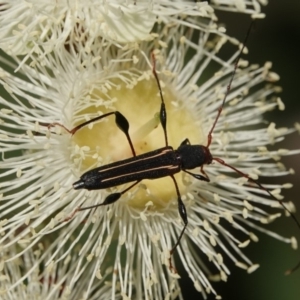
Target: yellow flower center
140, 105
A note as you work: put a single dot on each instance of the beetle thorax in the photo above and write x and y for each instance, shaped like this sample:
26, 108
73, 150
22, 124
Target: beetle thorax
193, 156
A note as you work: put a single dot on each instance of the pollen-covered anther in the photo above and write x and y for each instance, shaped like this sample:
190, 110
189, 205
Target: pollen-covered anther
264, 220
253, 176
287, 185
277, 89
223, 276
135, 59
190, 196
19, 173
122, 239
215, 219
40, 192
61, 216
243, 63
125, 297
215, 277
67, 291
272, 131
174, 287
53, 222
165, 256
149, 203
297, 126
273, 217
143, 216
210, 257
268, 65
149, 283
248, 205
228, 216
244, 244
245, 51
98, 274
6, 111
34, 202
253, 268
241, 265
155, 238
98, 251
24, 242
253, 237
212, 240
50, 266
37, 253
258, 16
174, 275
197, 286
280, 104
242, 181
216, 198
219, 259
95, 156
222, 29
272, 77
220, 43
206, 225
234, 101
27, 220
276, 194
3, 223
90, 257
67, 260
154, 277
294, 243
56, 186
291, 207
245, 213
195, 232
30, 134
182, 40
283, 152
262, 150
291, 171
163, 44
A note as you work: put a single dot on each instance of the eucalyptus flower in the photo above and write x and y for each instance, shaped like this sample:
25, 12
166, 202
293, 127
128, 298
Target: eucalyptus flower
33, 28
128, 243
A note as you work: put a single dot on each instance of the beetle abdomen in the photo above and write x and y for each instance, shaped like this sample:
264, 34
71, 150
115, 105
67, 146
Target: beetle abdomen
155, 164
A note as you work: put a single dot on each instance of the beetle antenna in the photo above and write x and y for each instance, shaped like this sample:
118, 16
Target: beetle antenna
222, 162
163, 112
209, 137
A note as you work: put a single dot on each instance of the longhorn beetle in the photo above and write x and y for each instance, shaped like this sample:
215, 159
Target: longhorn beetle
157, 163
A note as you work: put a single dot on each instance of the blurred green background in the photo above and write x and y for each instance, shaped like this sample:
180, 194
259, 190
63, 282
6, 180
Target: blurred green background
275, 39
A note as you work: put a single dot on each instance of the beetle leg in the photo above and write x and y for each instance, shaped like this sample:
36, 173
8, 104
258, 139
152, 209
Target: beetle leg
183, 215
163, 111
198, 176
185, 142
120, 120
111, 198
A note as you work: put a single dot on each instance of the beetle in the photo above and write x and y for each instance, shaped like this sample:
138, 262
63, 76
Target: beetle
158, 163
